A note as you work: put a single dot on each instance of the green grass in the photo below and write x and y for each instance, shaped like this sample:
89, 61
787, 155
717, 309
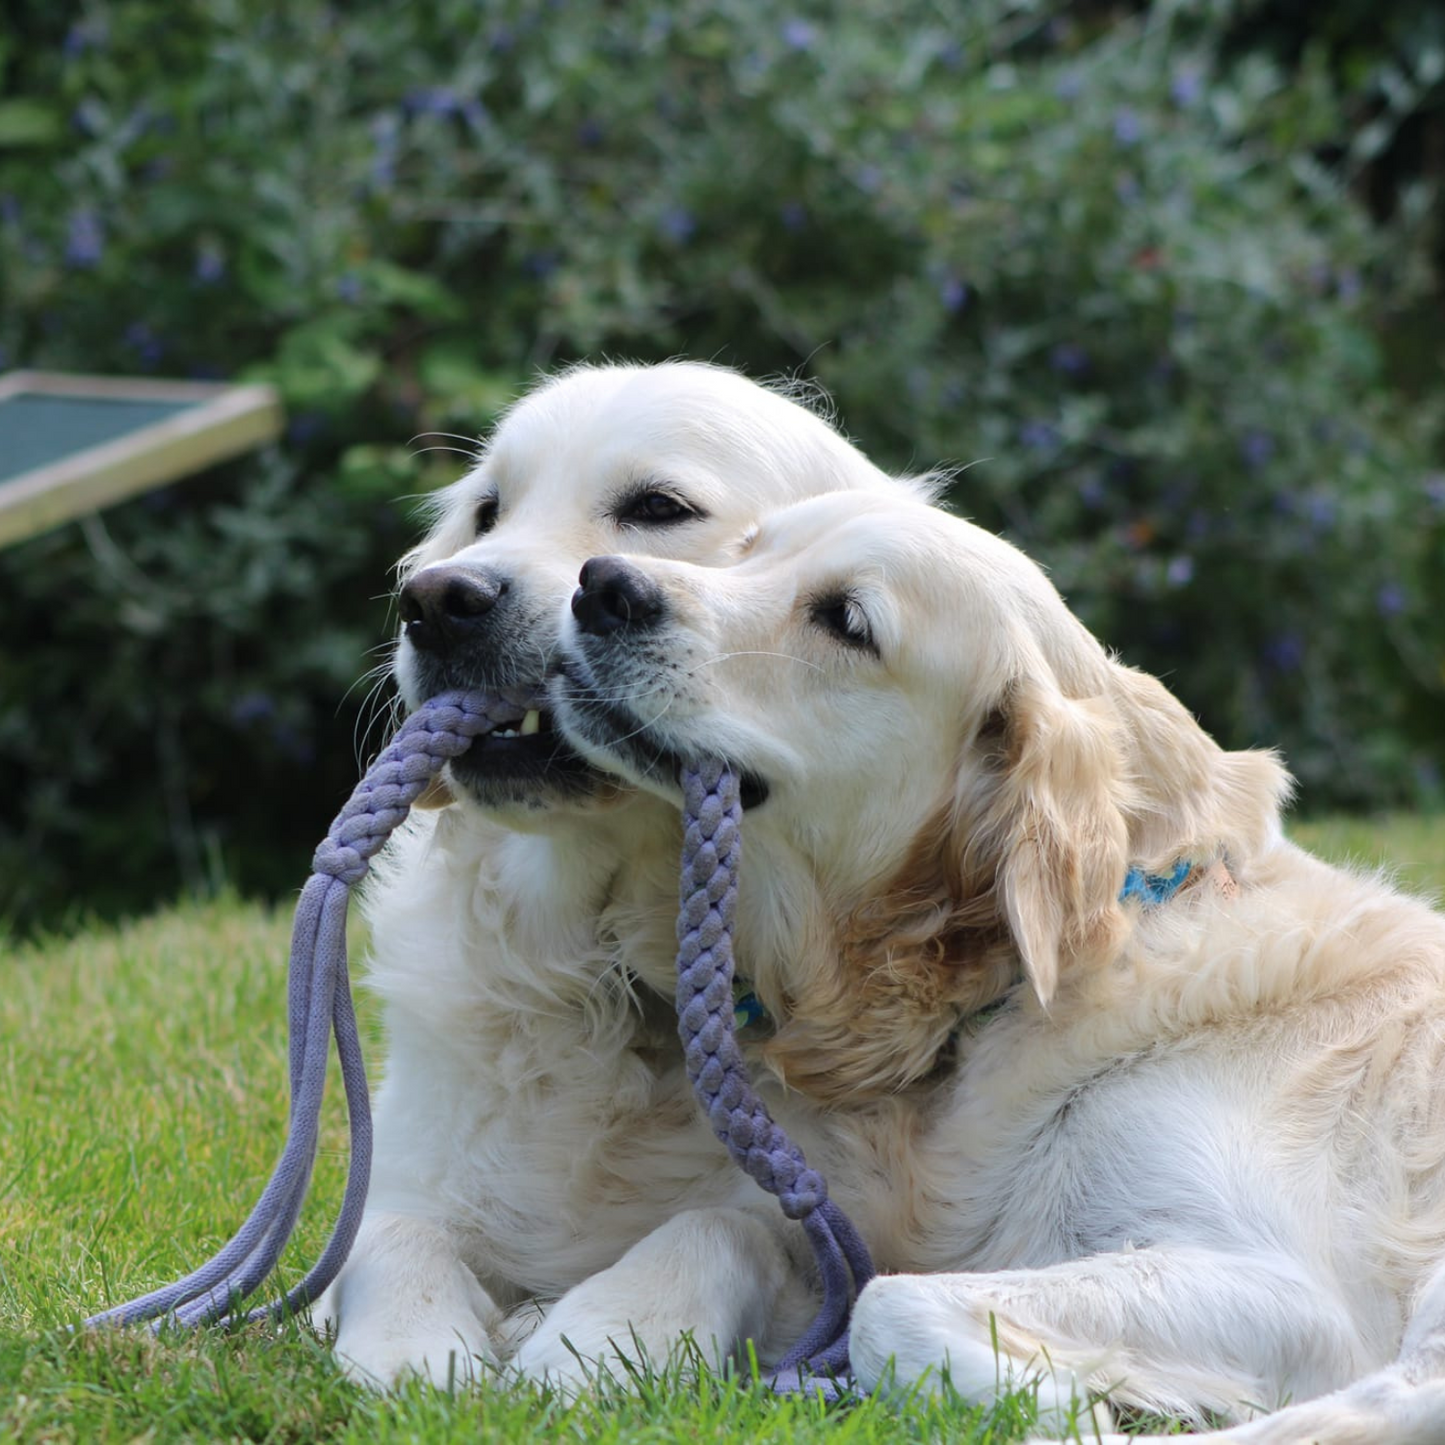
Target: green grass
142, 1106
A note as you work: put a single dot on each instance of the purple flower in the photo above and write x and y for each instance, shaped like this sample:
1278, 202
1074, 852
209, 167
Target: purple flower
77, 40
1128, 130
145, 343
868, 179
1435, 488
1390, 599
1257, 449
794, 215
210, 265
953, 293
1320, 510
677, 224
1187, 86
1348, 285
590, 134
9, 209
1069, 358
85, 241
1038, 436
431, 100
1180, 571
502, 40
348, 287
474, 113
1284, 653
799, 34
1069, 86
540, 264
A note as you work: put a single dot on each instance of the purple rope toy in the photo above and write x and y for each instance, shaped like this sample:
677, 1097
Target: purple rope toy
319, 1000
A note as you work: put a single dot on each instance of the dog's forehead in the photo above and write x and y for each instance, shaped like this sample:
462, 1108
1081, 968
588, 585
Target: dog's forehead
887, 536
732, 445
917, 566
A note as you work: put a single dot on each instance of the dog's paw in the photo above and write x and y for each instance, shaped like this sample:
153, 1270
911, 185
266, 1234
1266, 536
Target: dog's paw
918, 1332
406, 1306
448, 1360
573, 1349
581, 1343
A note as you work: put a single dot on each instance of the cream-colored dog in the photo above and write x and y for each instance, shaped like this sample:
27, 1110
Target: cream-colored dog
535, 1135
1158, 1099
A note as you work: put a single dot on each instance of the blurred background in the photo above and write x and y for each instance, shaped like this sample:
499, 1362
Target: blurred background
1167, 277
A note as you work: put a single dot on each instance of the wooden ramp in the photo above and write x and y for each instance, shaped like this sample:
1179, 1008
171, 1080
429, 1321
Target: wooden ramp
70, 445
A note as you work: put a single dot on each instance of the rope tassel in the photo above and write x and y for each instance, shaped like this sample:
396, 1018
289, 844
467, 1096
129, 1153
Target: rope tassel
319, 1002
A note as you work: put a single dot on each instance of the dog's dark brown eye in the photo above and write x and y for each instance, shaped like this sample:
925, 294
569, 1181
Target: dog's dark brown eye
845, 619
486, 516
654, 509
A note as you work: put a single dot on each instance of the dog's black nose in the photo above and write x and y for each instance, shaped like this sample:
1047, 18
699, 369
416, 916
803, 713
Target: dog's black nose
615, 594
442, 605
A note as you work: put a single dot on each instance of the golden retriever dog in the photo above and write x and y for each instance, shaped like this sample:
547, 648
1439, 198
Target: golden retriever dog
535, 1135
1114, 1079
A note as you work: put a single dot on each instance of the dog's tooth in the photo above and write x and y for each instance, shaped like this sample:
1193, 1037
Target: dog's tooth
531, 723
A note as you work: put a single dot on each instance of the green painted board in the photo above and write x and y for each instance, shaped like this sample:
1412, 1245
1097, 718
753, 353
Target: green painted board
70, 445
36, 429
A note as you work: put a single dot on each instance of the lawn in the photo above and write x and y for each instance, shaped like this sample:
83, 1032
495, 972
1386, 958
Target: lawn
142, 1105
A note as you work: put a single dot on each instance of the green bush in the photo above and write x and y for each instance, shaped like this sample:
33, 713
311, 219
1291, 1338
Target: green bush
1111, 271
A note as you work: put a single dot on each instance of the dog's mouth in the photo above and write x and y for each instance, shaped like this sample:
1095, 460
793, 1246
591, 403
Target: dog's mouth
520, 758
600, 724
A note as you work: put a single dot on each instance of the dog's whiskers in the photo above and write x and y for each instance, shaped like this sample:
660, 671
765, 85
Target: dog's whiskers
752, 652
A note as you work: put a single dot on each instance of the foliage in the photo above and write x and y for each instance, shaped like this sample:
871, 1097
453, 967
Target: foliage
1112, 265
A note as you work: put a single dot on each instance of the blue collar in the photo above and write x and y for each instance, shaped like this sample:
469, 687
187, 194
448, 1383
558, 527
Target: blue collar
1152, 889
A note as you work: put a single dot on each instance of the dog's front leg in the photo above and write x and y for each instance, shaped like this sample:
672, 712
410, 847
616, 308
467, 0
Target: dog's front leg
406, 1303
715, 1277
1178, 1330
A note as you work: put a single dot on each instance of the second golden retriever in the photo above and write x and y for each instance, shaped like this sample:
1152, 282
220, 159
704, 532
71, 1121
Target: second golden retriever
1168, 1094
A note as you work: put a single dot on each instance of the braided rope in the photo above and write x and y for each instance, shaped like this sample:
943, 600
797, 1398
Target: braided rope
711, 854
319, 1001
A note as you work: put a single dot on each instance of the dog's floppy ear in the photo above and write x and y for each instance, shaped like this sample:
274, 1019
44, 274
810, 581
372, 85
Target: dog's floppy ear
1053, 827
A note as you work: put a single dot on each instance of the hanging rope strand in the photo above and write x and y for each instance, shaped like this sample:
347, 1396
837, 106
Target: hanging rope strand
711, 857
319, 999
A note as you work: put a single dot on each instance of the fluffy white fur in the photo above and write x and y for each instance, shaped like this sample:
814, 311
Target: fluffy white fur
535, 1137
1194, 1162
